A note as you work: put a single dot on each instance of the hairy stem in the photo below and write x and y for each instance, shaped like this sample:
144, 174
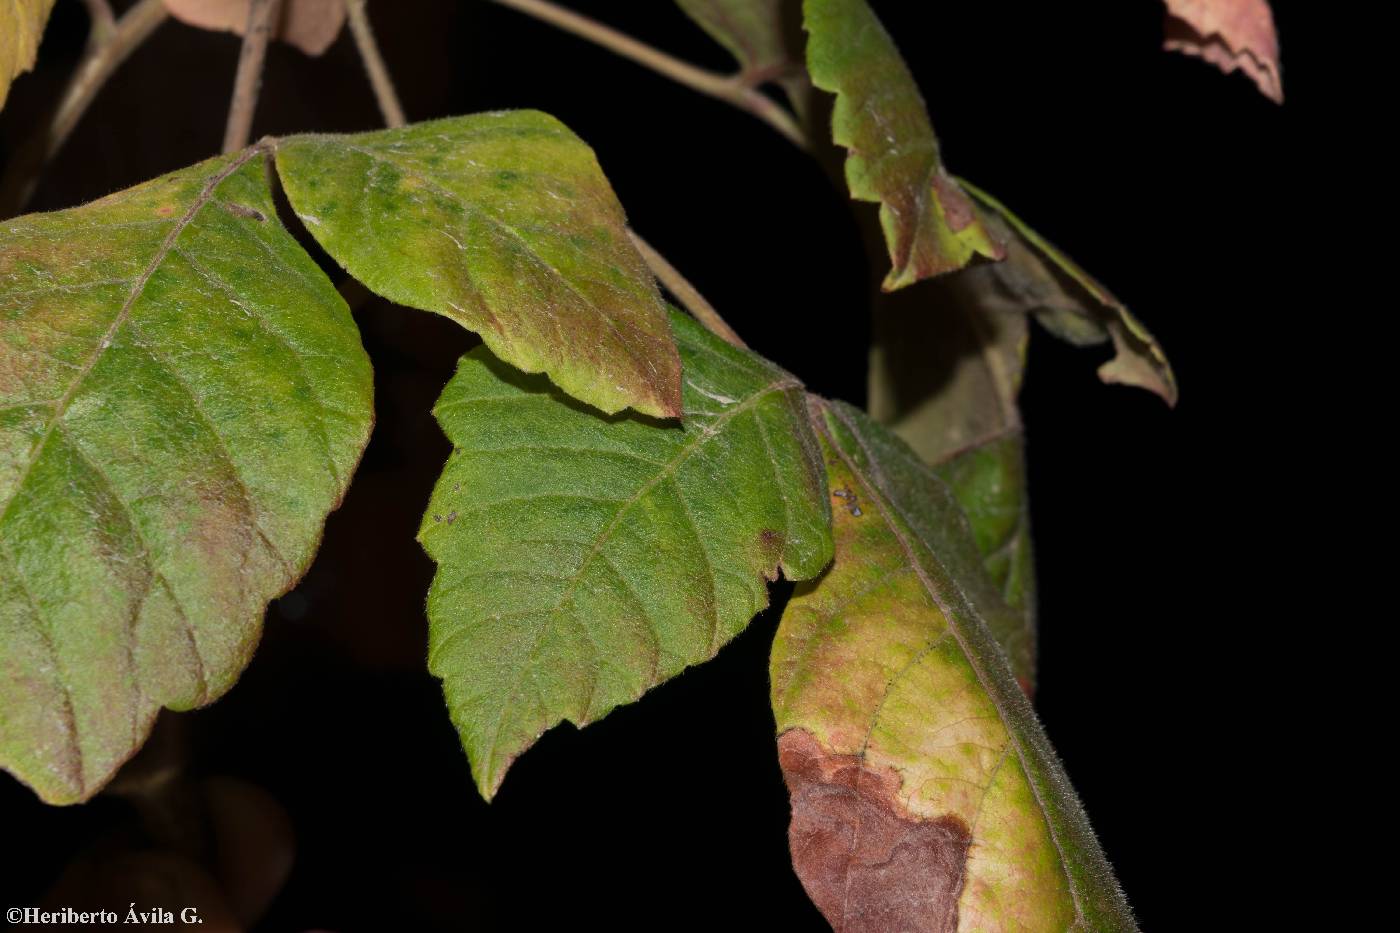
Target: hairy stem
679, 286
379, 79
248, 80
107, 49
733, 89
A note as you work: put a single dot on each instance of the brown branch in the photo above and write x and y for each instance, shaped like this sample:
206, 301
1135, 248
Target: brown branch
247, 82
104, 23
736, 89
107, 49
679, 286
379, 79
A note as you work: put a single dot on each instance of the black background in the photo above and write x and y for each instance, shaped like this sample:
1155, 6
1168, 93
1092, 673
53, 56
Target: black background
1177, 186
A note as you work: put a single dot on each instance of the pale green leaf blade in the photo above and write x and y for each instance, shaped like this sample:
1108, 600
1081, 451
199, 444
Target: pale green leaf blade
183, 397
757, 33
930, 225
584, 559
925, 794
21, 26
505, 223
945, 371
1040, 279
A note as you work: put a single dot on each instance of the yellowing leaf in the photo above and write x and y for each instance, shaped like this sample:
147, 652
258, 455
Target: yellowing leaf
310, 25
21, 26
1230, 34
925, 796
183, 397
583, 560
504, 223
930, 225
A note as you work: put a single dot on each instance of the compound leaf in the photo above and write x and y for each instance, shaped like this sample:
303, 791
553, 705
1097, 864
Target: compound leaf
183, 397
505, 223
584, 559
925, 795
930, 225
21, 26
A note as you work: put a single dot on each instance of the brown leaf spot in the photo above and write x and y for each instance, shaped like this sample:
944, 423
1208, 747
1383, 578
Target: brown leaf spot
866, 862
165, 210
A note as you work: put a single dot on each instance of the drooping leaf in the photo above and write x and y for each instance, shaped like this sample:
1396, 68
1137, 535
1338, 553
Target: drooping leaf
21, 26
757, 34
925, 795
504, 223
584, 559
945, 371
1230, 34
183, 397
930, 225
1040, 279
309, 25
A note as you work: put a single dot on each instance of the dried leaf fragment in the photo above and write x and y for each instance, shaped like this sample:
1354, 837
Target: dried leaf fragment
1230, 34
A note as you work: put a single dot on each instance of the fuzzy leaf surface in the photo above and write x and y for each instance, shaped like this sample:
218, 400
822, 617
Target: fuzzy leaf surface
945, 372
930, 225
504, 223
925, 795
183, 398
584, 559
21, 27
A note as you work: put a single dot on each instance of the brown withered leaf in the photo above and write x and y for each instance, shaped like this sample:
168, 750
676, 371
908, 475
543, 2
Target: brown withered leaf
310, 25
1230, 34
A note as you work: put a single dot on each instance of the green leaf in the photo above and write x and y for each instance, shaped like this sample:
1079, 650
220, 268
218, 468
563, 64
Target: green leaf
504, 223
757, 34
583, 559
183, 397
930, 225
945, 371
21, 26
1037, 278
925, 795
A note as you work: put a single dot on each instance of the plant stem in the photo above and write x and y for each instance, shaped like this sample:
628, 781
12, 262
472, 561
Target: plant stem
733, 89
248, 80
678, 285
107, 49
374, 64
104, 23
